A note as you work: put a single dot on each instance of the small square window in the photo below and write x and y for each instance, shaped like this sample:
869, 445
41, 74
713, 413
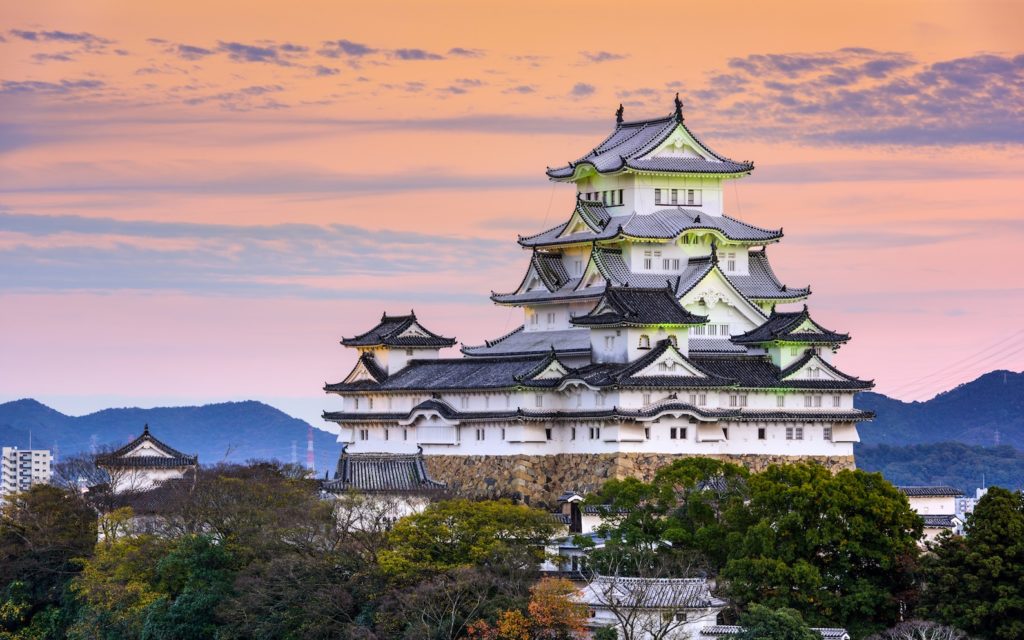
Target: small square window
672, 433
657, 196
826, 433
780, 401
547, 433
761, 433
675, 196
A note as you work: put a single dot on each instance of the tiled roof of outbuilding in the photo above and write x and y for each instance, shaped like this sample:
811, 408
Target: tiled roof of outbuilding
389, 330
626, 147
650, 593
939, 521
454, 373
782, 326
382, 473
719, 630
845, 381
173, 459
937, 491
635, 306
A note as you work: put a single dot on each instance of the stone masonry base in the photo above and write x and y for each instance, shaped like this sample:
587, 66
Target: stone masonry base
539, 480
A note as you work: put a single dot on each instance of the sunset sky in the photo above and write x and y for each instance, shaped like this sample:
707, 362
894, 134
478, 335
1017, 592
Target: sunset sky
199, 199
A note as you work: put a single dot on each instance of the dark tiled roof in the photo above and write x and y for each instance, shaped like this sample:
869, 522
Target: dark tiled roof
759, 284
382, 473
651, 593
663, 224
520, 343
937, 521
633, 306
719, 630
388, 332
938, 491
550, 269
173, 459
715, 345
782, 325
453, 373
631, 141
845, 381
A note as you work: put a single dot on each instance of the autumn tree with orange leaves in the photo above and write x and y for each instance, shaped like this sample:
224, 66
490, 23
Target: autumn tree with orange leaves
552, 614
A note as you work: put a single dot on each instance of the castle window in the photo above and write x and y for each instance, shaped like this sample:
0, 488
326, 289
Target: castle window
675, 196
814, 373
405, 434
387, 434
538, 400
672, 340
780, 401
369, 403
723, 329
595, 433
702, 400
609, 343
699, 330
826, 432
672, 433
647, 260
675, 264
761, 433
836, 401
647, 398
464, 402
620, 197
725, 432
480, 434
647, 433
712, 329
657, 196
730, 262
693, 197
645, 342
357, 404
578, 265
533, 318
794, 433
573, 434
364, 434
547, 433
794, 351
503, 433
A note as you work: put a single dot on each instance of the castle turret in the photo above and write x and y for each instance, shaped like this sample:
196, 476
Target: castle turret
396, 340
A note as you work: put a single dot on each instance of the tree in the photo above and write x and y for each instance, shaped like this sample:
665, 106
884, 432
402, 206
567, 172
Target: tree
976, 582
762, 623
552, 614
459, 533
920, 630
674, 520
42, 532
840, 549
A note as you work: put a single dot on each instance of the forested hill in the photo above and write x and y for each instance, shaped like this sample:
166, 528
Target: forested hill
971, 413
229, 431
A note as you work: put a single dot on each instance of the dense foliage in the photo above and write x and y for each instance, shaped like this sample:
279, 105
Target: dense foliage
976, 582
255, 552
963, 466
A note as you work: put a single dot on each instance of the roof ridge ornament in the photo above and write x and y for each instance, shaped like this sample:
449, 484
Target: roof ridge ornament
618, 114
145, 429
714, 253
679, 109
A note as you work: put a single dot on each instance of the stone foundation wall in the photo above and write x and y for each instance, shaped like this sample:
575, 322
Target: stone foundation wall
539, 480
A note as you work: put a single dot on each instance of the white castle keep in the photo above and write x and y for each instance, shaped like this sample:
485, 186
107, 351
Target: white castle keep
653, 327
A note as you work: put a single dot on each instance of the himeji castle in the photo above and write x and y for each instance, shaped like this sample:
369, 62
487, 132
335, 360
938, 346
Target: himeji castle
654, 327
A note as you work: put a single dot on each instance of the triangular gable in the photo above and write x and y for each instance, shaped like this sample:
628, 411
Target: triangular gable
592, 274
680, 143
807, 326
669, 363
414, 330
716, 288
813, 368
576, 224
554, 370
363, 372
147, 447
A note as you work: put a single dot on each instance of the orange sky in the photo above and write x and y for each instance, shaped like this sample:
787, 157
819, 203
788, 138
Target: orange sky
198, 199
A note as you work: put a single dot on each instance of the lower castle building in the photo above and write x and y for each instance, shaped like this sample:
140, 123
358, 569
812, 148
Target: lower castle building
653, 328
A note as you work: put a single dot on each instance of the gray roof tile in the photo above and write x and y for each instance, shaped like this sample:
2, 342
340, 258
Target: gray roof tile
382, 473
388, 332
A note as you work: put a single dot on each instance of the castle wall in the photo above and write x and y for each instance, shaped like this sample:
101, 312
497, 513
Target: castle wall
540, 479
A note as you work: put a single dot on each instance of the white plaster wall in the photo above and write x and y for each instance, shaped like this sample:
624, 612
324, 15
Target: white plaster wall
933, 505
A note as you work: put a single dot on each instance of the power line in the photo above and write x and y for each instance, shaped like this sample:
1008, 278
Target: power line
954, 376
1000, 345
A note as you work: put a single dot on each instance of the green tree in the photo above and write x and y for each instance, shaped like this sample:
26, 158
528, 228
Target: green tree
675, 522
840, 549
42, 532
976, 582
762, 623
459, 533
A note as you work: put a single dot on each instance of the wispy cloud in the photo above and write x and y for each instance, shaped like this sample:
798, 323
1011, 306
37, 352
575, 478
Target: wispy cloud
340, 48
581, 90
466, 53
602, 56
100, 254
416, 54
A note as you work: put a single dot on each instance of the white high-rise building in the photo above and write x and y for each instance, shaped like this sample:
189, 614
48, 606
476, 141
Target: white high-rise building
653, 327
23, 468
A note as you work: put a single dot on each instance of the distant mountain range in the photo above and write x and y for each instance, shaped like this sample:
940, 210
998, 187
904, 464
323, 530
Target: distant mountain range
229, 431
910, 442
986, 411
